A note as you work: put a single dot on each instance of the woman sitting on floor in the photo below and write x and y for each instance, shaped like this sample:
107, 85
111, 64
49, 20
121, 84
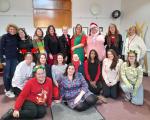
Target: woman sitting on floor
132, 76
31, 102
74, 90
111, 73
22, 73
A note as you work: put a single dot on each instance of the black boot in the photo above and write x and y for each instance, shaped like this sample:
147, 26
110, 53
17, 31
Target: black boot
8, 115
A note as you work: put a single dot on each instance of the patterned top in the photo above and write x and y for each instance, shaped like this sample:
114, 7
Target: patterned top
70, 89
38, 43
131, 75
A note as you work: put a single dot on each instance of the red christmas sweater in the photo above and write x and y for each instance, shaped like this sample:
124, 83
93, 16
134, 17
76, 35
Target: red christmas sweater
37, 93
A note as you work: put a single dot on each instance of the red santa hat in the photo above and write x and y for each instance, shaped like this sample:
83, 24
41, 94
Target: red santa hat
93, 25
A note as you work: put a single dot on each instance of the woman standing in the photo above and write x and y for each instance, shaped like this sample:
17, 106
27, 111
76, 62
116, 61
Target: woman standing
96, 41
38, 40
38, 43
78, 42
110, 73
134, 42
9, 49
51, 44
65, 44
132, 76
74, 90
113, 40
25, 43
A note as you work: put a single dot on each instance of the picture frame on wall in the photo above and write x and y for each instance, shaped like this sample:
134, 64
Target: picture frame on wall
84, 29
87, 29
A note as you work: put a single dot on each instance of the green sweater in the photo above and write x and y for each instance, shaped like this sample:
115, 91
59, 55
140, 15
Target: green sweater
132, 75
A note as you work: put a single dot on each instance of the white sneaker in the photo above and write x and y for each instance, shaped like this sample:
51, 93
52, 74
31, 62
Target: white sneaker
10, 94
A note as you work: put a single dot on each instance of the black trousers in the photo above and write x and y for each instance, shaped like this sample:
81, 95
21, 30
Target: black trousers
110, 91
31, 110
96, 90
89, 101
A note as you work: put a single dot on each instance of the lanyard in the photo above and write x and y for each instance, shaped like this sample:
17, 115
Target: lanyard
131, 41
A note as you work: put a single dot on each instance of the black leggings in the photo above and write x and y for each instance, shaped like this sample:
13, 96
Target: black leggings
31, 110
89, 101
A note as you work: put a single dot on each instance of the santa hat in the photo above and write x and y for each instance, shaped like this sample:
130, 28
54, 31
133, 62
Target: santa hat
93, 25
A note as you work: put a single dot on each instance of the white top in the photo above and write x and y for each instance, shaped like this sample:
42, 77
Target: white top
135, 43
22, 73
111, 75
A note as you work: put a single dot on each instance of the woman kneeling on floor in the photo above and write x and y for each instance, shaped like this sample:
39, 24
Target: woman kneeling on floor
74, 90
31, 102
132, 75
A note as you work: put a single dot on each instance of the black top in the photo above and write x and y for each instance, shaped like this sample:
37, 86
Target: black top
26, 45
51, 44
92, 68
65, 47
118, 48
9, 46
48, 71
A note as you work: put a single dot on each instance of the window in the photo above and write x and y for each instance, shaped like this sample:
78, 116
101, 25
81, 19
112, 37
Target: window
52, 12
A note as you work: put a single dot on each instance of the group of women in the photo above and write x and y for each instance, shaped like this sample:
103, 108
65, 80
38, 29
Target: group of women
80, 71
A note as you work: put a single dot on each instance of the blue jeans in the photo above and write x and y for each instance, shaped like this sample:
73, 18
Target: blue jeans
9, 70
138, 99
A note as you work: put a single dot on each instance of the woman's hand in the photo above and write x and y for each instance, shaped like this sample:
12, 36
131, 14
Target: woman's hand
93, 84
16, 114
109, 84
50, 56
77, 99
73, 48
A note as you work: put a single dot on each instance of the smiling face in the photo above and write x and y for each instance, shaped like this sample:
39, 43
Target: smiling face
65, 30
71, 70
40, 76
43, 59
132, 30
78, 29
112, 29
60, 59
131, 57
110, 55
94, 30
39, 33
21, 34
12, 30
92, 55
51, 31
75, 57
28, 59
